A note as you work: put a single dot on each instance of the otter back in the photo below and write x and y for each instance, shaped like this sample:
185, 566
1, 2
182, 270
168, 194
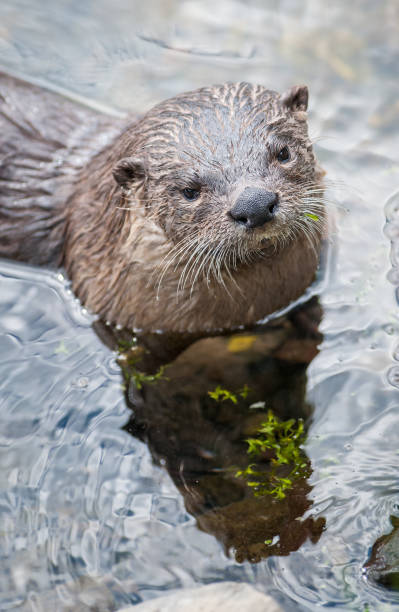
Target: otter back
44, 140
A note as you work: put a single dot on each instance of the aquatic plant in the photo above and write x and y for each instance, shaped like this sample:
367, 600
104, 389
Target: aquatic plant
282, 440
312, 216
130, 355
222, 395
140, 378
279, 441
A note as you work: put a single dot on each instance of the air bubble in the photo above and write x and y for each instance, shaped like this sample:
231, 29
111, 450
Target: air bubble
82, 382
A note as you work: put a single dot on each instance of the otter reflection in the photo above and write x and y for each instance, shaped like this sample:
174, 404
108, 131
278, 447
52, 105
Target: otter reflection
200, 436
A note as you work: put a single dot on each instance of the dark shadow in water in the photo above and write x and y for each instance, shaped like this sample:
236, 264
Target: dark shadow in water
202, 440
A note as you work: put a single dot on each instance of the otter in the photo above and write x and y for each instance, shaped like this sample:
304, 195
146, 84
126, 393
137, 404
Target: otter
206, 214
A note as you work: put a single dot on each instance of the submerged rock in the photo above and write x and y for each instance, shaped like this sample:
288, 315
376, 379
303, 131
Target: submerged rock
383, 564
220, 597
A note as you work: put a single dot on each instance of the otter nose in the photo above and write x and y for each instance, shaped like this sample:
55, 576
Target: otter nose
254, 207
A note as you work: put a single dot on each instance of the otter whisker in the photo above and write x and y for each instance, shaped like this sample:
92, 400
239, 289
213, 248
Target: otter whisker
200, 262
202, 266
196, 266
172, 255
191, 264
228, 271
216, 263
181, 248
320, 198
207, 267
196, 254
187, 250
309, 235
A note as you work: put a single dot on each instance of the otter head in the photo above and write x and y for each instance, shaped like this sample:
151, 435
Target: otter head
227, 171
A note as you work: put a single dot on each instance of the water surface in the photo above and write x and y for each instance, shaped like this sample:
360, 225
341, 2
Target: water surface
83, 504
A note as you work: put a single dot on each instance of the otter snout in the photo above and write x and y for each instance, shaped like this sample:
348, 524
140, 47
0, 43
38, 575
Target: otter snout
254, 207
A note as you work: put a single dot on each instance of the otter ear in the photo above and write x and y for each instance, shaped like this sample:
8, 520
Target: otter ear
128, 170
296, 98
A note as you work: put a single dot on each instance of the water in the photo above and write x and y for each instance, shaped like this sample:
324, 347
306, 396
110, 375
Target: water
83, 505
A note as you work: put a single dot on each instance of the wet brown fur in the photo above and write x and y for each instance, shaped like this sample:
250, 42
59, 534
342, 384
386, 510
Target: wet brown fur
137, 252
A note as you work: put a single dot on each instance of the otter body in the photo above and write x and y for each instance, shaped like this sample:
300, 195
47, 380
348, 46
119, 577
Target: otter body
206, 214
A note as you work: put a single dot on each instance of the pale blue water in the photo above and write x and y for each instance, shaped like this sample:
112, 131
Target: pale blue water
81, 497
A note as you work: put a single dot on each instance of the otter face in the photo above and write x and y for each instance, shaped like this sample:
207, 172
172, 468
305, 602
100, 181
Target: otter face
228, 171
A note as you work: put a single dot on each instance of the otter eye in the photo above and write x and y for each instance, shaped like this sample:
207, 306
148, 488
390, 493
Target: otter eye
191, 194
284, 155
